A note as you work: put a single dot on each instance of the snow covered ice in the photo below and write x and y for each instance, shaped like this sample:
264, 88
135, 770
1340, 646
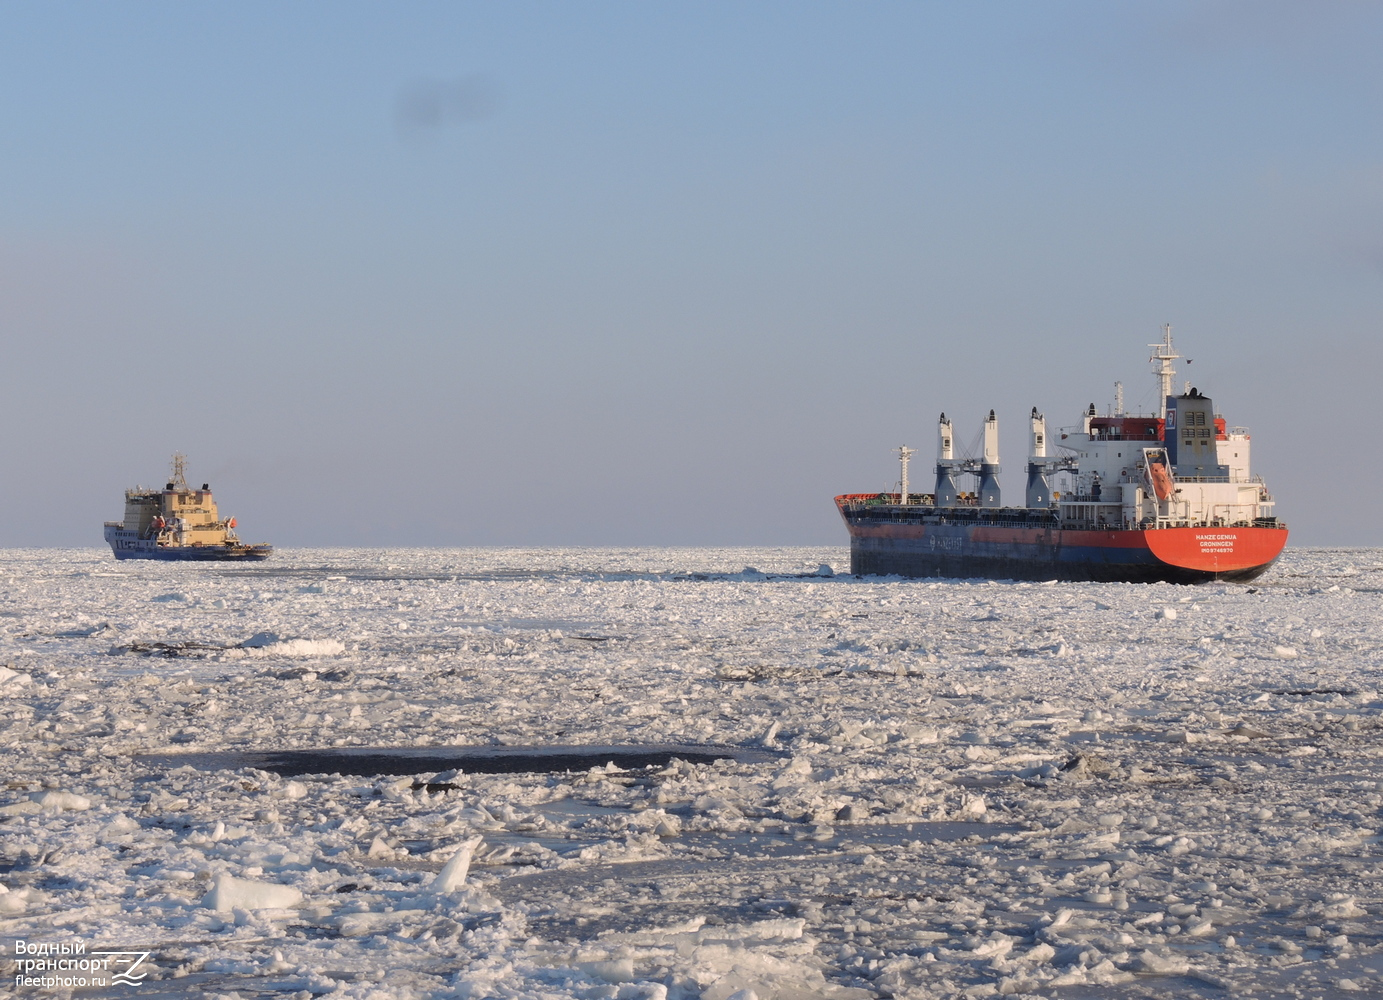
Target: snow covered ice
960, 788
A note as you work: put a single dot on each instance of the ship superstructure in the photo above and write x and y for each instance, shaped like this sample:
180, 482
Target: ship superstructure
1166, 496
177, 522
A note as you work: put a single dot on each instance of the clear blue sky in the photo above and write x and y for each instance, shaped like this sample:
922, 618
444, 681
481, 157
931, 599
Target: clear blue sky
604, 273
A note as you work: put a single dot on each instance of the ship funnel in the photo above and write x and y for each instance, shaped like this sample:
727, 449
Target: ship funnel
989, 464
947, 491
1039, 489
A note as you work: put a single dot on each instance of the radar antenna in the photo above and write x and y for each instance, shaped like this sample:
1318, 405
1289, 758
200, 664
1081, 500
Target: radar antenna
1164, 355
179, 470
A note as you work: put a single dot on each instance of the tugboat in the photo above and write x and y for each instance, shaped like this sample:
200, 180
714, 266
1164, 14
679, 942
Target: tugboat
177, 522
1163, 496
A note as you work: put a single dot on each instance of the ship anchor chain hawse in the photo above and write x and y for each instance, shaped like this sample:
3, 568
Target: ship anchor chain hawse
177, 523
1157, 497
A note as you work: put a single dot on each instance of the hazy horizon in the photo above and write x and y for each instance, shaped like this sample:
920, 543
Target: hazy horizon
615, 274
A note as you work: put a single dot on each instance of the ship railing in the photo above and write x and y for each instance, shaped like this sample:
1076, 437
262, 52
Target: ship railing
1152, 524
1033, 517
1099, 435
869, 500
1021, 516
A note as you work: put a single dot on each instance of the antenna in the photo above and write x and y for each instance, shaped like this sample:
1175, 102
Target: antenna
905, 453
1164, 370
179, 470
1118, 399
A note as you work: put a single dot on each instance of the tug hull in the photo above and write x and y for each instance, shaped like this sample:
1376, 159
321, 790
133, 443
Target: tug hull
881, 543
128, 545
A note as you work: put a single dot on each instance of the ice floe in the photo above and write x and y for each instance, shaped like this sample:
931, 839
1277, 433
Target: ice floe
924, 788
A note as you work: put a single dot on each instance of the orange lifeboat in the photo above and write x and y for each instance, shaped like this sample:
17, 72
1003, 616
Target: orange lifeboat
1161, 481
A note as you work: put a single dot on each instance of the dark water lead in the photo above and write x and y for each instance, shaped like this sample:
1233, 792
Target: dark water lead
370, 761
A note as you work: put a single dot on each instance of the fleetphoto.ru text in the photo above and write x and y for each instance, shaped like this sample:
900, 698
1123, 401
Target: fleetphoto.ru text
68, 964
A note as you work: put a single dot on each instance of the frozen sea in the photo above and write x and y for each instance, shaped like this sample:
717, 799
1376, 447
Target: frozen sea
923, 789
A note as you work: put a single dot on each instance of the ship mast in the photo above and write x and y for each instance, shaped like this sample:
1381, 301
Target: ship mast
179, 473
904, 453
1164, 355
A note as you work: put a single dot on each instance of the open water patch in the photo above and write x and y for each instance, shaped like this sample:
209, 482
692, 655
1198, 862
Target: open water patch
372, 761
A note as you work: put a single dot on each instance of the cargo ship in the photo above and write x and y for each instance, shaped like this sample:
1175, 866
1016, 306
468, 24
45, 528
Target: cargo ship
177, 523
1148, 497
